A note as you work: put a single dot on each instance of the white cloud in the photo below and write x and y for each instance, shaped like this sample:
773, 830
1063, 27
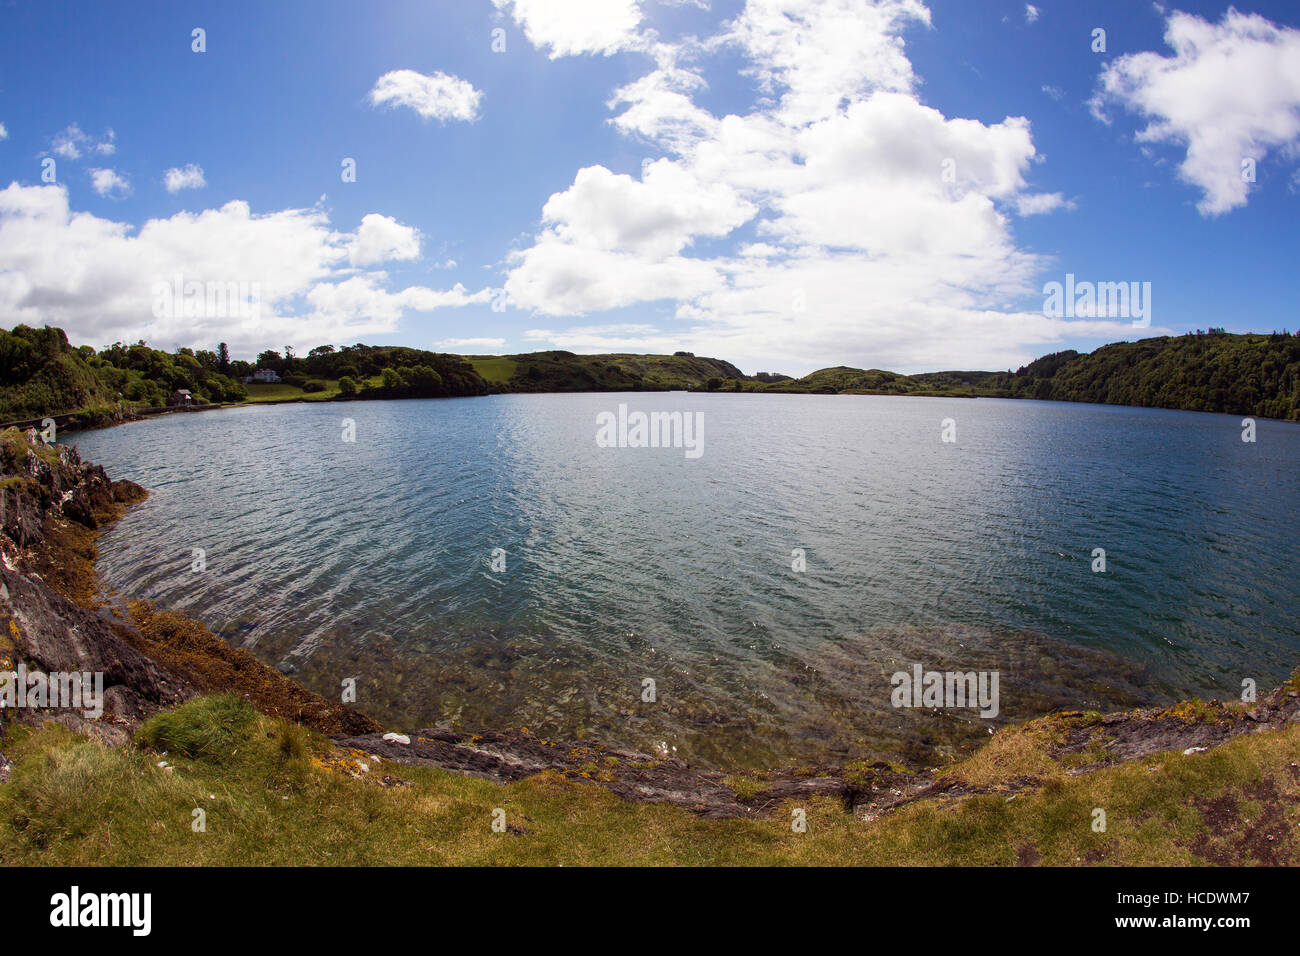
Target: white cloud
1054, 92
360, 301
1036, 204
108, 182
186, 177
380, 238
423, 299
452, 345
67, 143
870, 229
560, 278
631, 337
4, 133
96, 278
437, 96
657, 215
572, 27
1231, 91
73, 143
660, 109
819, 53
1031, 13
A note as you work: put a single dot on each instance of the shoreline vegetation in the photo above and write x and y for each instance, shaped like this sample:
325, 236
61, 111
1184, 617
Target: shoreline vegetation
286, 777
43, 376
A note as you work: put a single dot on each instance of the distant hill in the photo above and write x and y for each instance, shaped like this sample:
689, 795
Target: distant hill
42, 374
1211, 371
1215, 372
873, 381
567, 372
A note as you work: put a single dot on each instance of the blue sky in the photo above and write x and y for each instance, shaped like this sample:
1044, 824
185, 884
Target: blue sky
767, 187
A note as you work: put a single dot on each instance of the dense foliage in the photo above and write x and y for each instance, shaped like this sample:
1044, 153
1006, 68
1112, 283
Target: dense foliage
1202, 371
149, 376
405, 372
41, 374
561, 371
1211, 372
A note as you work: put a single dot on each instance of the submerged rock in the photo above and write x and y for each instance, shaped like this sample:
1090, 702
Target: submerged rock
866, 788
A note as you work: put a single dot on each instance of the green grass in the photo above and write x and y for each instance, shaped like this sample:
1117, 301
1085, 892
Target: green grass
15, 447
275, 794
210, 729
495, 369
280, 392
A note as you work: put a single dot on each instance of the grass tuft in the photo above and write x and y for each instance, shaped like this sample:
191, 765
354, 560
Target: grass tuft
208, 729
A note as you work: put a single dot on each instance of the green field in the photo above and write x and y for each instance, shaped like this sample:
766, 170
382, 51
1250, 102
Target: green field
495, 369
280, 392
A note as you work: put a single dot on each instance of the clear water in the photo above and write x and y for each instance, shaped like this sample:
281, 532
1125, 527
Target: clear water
372, 560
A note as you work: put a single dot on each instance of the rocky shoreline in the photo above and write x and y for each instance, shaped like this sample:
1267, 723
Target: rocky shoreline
1088, 741
53, 506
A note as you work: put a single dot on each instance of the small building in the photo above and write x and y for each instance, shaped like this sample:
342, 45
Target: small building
181, 396
262, 376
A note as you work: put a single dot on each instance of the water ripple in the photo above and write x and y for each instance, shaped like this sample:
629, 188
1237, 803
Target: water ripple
373, 559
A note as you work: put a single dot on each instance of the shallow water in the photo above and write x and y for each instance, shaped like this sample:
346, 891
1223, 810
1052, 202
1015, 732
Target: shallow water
373, 560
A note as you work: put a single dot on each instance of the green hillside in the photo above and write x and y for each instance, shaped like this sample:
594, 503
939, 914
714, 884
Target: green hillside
41, 374
1214, 371
874, 381
1204, 372
561, 371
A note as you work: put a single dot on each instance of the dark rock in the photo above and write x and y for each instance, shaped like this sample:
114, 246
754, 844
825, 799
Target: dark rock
513, 755
54, 635
40, 486
128, 492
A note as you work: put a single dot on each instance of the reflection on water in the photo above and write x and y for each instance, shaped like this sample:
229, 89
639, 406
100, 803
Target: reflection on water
373, 560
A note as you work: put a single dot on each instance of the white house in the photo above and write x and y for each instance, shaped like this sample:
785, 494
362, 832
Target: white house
264, 375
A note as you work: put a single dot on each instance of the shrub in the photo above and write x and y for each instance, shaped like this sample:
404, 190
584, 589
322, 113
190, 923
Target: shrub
208, 729
426, 380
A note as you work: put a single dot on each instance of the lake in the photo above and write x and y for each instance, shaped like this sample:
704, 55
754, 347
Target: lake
486, 563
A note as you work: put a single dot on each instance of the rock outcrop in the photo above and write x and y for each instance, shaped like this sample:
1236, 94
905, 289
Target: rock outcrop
52, 506
48, 498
